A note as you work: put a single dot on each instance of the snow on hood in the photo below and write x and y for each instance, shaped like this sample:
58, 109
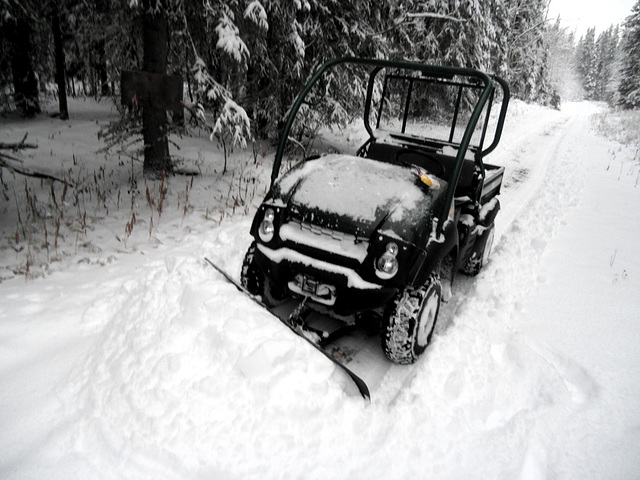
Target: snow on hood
355, 194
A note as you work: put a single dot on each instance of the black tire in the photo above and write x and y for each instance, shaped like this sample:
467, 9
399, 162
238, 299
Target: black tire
256, 282
481, 252
408, 323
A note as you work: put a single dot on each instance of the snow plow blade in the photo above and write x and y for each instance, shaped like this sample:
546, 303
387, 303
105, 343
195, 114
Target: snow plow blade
293, 314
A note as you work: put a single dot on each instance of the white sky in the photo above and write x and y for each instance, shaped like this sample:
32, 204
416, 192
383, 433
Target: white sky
579, 15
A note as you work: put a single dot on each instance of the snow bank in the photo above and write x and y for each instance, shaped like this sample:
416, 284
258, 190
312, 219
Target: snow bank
173, 361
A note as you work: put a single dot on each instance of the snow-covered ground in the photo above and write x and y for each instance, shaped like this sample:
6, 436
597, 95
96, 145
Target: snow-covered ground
123, 356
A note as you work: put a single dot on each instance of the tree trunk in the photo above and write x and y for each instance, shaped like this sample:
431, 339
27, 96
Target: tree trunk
102, 69
102, 11
25, 82
60, 68
154, 119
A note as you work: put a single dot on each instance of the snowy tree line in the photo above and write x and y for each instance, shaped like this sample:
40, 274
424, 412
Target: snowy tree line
245, 60
609, 64
597, 64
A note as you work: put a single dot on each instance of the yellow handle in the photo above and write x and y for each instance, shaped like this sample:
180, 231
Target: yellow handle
425, 179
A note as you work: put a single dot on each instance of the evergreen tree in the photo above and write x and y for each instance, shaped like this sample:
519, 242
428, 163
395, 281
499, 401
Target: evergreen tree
245, 61
587, 61
562, 63
629, 88
606, 47
457, 34
611, 89
527, 50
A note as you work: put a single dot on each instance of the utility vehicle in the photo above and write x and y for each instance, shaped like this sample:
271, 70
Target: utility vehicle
374, 237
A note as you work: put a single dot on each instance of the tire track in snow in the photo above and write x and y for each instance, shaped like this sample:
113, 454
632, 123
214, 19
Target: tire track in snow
528, 220
489, 383
539, 155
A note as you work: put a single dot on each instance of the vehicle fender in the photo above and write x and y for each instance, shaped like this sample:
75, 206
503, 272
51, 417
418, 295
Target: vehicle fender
488, 212
437, 249
472, 239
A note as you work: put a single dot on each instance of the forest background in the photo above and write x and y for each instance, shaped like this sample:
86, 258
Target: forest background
243, 61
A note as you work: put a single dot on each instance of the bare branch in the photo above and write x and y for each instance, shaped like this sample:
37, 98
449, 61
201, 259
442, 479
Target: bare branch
6, 161
25, 172
434, 15
17, 145
408, 18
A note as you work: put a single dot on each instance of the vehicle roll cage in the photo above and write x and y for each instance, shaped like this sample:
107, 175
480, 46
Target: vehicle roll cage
444, 75
412, 80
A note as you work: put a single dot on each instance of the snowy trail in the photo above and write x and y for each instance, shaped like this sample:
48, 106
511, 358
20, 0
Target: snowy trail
524, 386
511, 384
527, 158
155, 367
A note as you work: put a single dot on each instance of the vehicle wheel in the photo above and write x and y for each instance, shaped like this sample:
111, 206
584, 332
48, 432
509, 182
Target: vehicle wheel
409, 321
481, 252
256, 282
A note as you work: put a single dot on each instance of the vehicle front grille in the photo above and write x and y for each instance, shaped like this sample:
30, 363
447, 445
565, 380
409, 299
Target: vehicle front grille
317, 230
325, 239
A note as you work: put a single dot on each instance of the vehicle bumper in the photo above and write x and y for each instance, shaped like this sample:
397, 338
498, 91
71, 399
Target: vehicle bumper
339, 288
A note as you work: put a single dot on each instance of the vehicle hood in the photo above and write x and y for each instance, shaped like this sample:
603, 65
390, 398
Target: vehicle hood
359, 196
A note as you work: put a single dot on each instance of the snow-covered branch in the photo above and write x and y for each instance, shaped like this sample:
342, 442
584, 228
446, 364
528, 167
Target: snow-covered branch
229, 39
257, 14
408, 18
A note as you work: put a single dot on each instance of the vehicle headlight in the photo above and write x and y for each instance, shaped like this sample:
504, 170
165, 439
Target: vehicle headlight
267, 228
387, 264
